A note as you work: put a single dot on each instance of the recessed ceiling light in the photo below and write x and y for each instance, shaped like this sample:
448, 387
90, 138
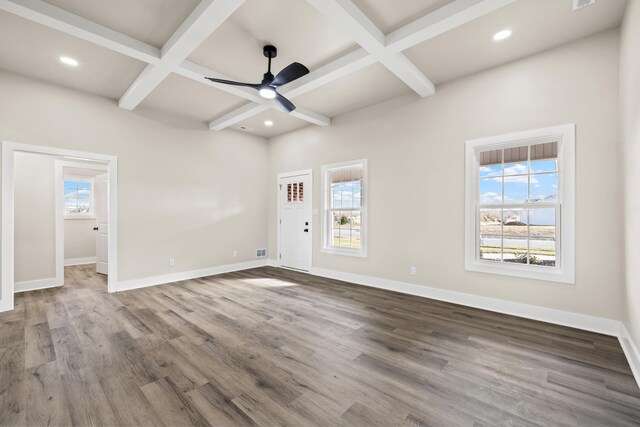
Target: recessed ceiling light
268, 123
501, 35
69, 61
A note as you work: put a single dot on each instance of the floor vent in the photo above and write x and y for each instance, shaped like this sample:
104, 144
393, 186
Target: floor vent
261, 253
579, 4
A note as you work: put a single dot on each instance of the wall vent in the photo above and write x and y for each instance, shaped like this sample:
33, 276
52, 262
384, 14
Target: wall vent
261, 253
579, 4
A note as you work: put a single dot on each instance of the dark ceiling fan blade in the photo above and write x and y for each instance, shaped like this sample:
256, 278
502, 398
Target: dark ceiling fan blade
284, 104
290, 73
229, 82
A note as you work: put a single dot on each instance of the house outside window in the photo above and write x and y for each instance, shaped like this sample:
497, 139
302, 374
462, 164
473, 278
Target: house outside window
78, 197
345, 208
520, 199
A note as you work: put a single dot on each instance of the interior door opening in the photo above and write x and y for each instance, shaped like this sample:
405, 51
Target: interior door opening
33, 209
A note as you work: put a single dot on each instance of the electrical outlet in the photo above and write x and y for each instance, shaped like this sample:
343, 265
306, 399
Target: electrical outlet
412, 271
235, 254
172, 262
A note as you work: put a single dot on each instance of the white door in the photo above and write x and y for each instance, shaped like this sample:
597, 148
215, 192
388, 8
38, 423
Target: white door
102, 219
295, 198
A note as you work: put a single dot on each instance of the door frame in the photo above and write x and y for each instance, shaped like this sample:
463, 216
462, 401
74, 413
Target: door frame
7, 247
303, 172
59, 173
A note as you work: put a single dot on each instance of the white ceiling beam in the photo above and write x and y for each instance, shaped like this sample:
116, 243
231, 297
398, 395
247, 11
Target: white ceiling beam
332, 71
355, 23
310, 116
440, 21
198, 73
204, 20
74, 25
238, 115
341, 67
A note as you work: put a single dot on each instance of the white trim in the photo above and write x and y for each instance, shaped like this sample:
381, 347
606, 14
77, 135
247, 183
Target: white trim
7, 241
325, 229
201, 22
565, 272
569, 319
60, 165
34, 285
304, 172
544, 314
630, 351
347, 16
79, 261
385, 49
188, 275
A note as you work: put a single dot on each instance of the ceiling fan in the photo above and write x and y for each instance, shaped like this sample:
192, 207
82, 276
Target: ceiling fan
267, 89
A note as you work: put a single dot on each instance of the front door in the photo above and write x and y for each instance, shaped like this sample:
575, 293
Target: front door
295, 198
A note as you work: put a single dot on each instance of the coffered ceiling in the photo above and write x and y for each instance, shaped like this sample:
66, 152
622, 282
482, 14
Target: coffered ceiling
152, 55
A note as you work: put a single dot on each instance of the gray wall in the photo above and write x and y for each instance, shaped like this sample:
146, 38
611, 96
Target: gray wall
415, 149
34, 213
630, 133
192, 195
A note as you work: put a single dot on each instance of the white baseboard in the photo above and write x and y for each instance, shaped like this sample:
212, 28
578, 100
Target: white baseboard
34, 285
126, 285
630, 351
558, 317
79, 261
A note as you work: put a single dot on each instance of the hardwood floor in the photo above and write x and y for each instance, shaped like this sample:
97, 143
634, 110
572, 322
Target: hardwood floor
275, 347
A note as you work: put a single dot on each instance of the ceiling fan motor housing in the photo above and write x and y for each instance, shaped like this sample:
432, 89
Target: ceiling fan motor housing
270, 52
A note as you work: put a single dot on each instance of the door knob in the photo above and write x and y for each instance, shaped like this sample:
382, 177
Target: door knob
95, 228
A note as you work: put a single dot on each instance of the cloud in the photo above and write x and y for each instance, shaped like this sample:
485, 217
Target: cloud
490, 197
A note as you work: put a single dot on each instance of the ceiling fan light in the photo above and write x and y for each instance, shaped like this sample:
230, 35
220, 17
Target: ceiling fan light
268, 93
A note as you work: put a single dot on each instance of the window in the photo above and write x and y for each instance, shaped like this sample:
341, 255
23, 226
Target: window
345, 208
520, 204
78, 197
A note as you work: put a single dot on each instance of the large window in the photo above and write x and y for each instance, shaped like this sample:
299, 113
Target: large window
345, 203
78, 197
519, 202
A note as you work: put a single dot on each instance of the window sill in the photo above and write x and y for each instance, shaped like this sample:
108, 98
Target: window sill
80, 217
358, 253
549, 274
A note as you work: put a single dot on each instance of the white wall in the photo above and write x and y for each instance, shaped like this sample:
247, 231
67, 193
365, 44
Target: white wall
630, 133
35, 227
79, 238
192, 195
415, 149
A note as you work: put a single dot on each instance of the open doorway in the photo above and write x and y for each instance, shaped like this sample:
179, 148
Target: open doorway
85, 202
104, 212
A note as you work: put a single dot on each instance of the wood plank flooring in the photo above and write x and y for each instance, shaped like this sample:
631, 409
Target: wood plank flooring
273, 347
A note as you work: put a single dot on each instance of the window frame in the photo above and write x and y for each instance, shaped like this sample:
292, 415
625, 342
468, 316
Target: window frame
564, 272
326, 209
92, 199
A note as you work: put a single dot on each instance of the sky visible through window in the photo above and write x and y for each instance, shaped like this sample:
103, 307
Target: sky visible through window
346, 202
77, 197
520, 186
518, 211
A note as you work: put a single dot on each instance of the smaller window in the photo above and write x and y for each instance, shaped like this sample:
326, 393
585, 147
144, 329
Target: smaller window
345, 208
78, 197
